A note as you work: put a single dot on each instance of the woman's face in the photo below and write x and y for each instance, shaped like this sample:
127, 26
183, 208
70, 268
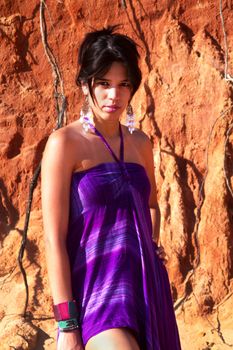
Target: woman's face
111, 93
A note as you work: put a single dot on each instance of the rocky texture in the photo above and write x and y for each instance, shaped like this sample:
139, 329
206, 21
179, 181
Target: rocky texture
185, 106
19, 334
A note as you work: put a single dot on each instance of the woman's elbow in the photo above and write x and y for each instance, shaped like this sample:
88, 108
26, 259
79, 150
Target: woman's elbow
54, 241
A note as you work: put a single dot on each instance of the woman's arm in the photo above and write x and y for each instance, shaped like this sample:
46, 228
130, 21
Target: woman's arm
153, 203
155, 218
56, 174
57, 165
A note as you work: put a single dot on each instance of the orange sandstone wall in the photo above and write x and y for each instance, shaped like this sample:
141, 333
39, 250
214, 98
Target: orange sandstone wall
184, 104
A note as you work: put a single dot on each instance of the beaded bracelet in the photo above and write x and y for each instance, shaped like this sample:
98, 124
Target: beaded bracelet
68, 325
65, 311
68, 330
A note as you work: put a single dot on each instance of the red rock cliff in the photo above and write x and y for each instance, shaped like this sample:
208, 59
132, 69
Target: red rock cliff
184, 104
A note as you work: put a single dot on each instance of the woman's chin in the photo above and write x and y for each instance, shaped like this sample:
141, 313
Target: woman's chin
109, 116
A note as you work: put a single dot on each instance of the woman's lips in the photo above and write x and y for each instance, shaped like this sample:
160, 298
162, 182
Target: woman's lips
112, 108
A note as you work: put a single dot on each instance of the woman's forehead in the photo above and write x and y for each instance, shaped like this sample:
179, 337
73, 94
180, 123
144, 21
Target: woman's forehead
117, 71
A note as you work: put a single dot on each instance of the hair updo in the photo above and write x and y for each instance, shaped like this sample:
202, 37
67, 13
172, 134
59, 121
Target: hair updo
100, 49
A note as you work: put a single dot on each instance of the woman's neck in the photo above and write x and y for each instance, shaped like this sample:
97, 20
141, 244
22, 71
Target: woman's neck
107, 128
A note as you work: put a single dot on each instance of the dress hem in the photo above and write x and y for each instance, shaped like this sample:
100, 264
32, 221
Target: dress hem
110, 326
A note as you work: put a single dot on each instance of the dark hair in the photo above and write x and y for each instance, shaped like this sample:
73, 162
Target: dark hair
100, 49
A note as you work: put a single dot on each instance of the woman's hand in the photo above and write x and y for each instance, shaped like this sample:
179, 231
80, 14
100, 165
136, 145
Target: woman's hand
70, 341
162, 254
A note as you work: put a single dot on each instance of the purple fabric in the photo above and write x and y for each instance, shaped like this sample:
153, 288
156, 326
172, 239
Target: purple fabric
117, 278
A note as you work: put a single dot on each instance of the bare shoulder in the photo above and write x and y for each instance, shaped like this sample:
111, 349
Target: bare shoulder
64, 137
140, 139
141, 136
61, 144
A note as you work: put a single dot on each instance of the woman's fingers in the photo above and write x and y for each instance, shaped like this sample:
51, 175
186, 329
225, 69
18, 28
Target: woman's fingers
162, 254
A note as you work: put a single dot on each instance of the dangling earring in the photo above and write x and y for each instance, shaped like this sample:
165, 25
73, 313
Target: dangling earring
130, 119
86, 115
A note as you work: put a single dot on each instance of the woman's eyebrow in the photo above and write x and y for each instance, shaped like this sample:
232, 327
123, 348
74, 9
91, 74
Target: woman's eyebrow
97, 78
105, 79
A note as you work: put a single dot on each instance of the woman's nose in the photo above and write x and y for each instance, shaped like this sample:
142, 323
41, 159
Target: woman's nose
113, 93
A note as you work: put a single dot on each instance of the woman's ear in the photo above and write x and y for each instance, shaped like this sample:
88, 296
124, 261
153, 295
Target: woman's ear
85, 88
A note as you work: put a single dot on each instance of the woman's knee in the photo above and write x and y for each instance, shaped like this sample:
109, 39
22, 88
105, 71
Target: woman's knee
113, 339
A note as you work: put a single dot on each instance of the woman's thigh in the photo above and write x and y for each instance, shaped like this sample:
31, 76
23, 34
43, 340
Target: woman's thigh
113, 339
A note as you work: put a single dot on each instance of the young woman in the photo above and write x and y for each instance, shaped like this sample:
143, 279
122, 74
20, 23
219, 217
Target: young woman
108, 280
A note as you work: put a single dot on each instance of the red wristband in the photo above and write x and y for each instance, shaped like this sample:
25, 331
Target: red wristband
65, 311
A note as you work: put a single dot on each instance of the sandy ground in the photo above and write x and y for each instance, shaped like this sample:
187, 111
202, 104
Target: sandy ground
212, 332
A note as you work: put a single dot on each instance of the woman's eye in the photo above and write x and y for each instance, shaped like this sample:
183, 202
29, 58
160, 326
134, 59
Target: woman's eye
107, 84
125, 84
103, 83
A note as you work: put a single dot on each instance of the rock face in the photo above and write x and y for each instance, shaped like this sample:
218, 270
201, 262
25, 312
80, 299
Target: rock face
184, 104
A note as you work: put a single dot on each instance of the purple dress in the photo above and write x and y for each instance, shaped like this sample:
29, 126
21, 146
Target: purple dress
117, 278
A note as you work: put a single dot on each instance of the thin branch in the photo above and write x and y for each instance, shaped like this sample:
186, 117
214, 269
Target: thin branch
228, 182
227, 76
33, 185
123, 4
201, 190
60, 101
58, 82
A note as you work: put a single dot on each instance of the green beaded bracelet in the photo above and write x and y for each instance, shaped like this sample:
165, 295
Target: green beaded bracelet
67, 325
